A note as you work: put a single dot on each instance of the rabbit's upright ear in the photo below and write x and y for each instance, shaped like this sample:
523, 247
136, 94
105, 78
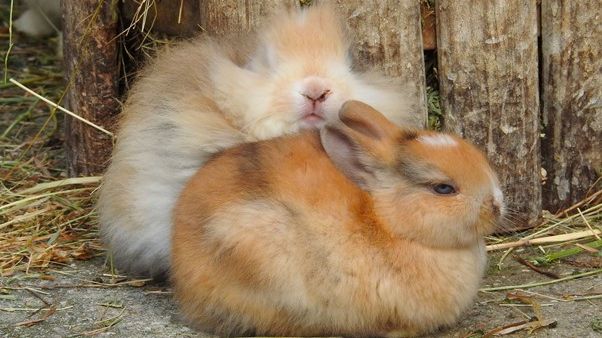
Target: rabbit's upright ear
362, 142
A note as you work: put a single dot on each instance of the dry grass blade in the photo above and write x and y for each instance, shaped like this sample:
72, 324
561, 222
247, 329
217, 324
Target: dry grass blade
104, 325
61, 183
10, 39
50, 311
546, 240
535, 268
519, 326
18, 84
44, 220
537, 323
532, 285
579, 222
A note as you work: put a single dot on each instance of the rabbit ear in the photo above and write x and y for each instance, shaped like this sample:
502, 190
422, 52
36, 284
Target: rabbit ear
361, 142
367, 121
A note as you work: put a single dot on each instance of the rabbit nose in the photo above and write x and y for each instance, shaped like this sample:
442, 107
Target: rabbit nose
318, 98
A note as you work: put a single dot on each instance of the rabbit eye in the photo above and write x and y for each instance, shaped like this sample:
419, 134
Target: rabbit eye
444, 189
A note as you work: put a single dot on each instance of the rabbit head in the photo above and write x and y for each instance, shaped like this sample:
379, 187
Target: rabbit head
433, 188
300, 74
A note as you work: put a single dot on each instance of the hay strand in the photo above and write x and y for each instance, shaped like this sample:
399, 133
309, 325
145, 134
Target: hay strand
18, 84
532, 285
545, 240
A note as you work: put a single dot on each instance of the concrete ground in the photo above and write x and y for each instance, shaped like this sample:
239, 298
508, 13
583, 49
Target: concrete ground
84, 305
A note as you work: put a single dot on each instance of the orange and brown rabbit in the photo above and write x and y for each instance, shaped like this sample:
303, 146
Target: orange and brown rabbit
203, 96
360, 229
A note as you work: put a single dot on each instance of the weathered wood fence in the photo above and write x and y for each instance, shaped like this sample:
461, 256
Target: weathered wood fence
520, 78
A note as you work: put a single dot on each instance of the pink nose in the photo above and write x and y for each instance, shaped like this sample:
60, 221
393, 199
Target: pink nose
319, 97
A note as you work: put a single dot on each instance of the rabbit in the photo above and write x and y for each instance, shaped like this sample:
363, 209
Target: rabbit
209, 94
362, 228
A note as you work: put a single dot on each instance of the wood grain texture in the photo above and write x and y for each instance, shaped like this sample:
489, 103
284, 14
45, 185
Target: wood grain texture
429, 26
91, 64
387, 35
220, 17
172, 17
488, 73
572, 99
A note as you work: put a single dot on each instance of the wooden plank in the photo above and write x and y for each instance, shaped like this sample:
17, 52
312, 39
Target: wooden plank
220, 17
91, 64
489, 89
175, 18
387, 35
429, 26
572, 99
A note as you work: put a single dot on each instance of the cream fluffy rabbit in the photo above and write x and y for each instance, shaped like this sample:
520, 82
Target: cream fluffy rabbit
206, 95
361, 229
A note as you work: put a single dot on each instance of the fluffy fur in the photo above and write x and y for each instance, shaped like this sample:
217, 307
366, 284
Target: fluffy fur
206, 95
337, 232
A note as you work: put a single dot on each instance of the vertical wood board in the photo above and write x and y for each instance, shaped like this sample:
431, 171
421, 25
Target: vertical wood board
219, 17
387, 35
572, 99
175, 18
488, 73
92, 73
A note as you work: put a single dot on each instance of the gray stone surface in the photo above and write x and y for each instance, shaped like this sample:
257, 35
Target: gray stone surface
149, 311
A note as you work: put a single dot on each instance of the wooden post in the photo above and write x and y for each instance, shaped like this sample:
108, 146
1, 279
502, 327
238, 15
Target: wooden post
90, 51
429, 26
489, 88
219, 17
175, 18
572, 99
387, 34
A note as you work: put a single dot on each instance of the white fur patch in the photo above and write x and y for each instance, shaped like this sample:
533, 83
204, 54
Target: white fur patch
498, 195
438, 140
498, 198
